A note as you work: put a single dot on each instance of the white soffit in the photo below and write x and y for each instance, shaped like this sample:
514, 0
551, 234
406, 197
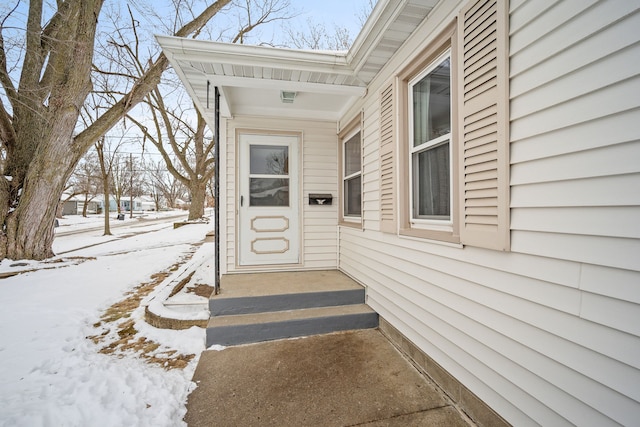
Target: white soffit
250, 78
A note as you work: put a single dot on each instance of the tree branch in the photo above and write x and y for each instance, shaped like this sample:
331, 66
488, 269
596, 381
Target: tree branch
145, 84
163, 152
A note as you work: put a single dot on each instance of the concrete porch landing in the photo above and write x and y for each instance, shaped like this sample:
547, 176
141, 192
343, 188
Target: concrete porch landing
339, 379
290, 282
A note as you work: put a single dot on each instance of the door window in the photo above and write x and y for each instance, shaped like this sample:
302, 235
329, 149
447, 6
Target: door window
269, 175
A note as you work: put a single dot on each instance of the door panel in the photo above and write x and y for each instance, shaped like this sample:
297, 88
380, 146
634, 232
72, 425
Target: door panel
269, 200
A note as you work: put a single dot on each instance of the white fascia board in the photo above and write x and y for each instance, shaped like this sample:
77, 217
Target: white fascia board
290, 59
250, 82
292, 114
384, 15
225, 108
349, 63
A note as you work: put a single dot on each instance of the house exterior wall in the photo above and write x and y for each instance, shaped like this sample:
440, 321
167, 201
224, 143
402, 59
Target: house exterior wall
70, 207
319, 175
547, 332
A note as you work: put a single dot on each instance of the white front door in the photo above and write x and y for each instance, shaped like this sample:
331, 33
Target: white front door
268, 200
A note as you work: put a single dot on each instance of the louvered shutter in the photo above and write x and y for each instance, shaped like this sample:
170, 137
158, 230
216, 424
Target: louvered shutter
388, 213
484, 128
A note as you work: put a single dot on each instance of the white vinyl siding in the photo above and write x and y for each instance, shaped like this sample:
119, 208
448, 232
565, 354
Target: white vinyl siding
524, 344
580, 96
547, 333
319, 175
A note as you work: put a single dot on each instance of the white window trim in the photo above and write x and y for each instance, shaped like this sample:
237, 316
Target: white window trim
419, 223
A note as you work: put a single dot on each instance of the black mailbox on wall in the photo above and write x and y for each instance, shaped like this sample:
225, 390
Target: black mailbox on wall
320, 199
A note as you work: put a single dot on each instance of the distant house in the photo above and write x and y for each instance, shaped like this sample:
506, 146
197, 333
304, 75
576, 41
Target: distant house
478, 164
75, 206
70, 207
146, 203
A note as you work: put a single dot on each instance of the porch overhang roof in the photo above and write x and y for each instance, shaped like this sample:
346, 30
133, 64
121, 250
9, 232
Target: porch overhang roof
251, 79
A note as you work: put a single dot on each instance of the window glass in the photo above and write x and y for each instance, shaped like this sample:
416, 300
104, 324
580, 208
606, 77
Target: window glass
432, 104
353, 196
267, 162
352, 157
431, 183
431, 133
352, 174
268, 192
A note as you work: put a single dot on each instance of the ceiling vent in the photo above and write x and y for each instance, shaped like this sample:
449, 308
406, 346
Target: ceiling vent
287, 97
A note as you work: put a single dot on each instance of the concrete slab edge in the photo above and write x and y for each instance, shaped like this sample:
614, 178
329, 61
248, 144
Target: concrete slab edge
269, 303
245, 334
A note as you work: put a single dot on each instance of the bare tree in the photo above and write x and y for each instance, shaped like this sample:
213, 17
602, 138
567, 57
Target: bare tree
312, 37
211, 196
317, 35
195, 164
106, 162
365, 11
85, 179
119, 179
250, 14
156, 196
126, 179
171, 131
39, 113
105, 175
164, 185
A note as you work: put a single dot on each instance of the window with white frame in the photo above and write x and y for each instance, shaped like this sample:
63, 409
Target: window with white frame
430, 144
352, 176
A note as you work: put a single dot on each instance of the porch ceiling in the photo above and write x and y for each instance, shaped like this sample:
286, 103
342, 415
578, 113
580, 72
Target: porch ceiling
251, 78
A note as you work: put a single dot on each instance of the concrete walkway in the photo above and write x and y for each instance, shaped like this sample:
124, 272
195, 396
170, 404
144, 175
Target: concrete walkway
340, 379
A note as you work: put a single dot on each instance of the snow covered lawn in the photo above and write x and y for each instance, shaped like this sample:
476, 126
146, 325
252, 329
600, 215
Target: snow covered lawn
54, 374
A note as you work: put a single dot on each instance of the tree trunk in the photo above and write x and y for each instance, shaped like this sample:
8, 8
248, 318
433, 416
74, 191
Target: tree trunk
118, 205
29, 228
41, 150
54, 83
107, 199
84, 208
107, 202
198, 195
105, 175
60, 210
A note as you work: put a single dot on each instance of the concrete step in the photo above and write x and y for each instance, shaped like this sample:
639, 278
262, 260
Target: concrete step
285, 301
256, 327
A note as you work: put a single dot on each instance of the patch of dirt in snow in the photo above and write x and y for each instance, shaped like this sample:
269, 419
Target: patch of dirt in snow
201, 290
21, 267
120, 336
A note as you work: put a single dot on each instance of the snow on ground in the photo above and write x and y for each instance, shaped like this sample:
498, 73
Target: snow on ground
52, 374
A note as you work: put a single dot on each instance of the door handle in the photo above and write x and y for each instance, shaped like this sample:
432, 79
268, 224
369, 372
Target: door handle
241, 200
